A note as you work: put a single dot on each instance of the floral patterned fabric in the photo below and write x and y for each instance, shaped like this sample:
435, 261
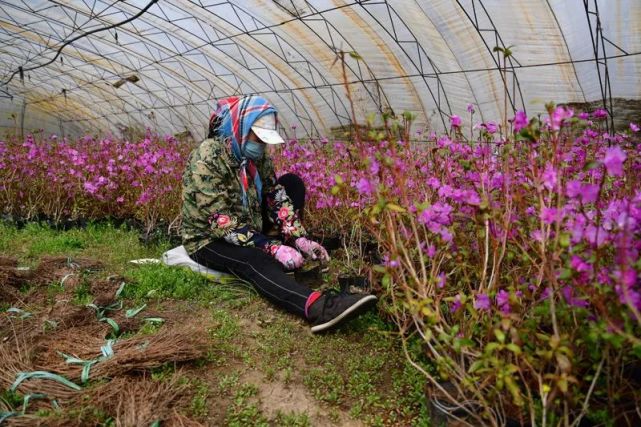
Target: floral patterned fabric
213, 207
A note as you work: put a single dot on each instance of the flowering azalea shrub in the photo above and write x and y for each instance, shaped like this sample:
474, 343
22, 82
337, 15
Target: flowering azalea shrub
92, 178
514, 258
510, 250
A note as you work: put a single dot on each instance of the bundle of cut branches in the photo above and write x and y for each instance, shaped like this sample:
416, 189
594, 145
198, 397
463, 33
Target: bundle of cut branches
136, 354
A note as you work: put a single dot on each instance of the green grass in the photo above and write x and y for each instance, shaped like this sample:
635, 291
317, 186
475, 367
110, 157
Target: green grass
111, 245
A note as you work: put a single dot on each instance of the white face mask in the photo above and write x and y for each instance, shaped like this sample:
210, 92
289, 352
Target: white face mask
253, 150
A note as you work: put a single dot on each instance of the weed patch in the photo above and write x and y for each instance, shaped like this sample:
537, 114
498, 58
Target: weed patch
244, 410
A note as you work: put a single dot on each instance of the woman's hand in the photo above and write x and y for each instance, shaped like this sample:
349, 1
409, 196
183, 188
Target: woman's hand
311, 249
289, 257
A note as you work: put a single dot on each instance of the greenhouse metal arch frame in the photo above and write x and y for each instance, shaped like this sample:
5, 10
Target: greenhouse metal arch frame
411, 56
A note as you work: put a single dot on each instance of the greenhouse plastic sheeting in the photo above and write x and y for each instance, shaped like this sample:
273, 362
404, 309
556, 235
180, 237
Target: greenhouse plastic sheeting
165, 69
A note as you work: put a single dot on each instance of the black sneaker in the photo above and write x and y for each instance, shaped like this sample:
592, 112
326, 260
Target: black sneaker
332, 308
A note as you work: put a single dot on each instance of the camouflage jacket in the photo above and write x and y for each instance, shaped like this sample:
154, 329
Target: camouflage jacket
213, 206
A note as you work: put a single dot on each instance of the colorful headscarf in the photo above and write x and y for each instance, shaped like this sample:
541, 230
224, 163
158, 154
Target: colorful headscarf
233, 119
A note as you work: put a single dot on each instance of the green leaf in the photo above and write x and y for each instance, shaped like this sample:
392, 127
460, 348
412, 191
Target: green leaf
562, 383
112, 323
563, 362
513, 348
120, 289
396, 208
490, 347
590, 165
379, 268
338, 179
84, 376
132, 312
475, 366
27, 398
355, 55
466, 342
386, 281
564, 240
5, 415
565, 274
23, 314
636, 350
514, 390
72, 360
43, 375
500, 335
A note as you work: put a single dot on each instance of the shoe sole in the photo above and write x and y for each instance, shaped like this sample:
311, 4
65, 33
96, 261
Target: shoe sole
357, 308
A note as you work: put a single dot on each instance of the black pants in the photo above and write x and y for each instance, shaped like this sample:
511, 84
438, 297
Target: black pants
255, 266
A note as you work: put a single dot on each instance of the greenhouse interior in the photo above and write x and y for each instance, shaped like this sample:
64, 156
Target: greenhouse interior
320, 213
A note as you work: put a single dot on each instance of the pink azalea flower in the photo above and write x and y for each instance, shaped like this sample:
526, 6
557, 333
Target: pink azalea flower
456, 304
491, 127
503, 301
549, 215
559, 115
549, 177
374, 167
573, 189
568, 294
520, 121
440, 280
589, 193
482, 302
537, 235
393, 263
446, 235
470, 108
613, 160
455, 121
634, 127
579, 265
364, 187
430, 251
600, 113
90, 188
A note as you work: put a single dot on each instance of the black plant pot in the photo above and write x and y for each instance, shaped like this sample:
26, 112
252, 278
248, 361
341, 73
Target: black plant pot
68, 224
354, 284
310, 277
371, 253
442, 412
331, 243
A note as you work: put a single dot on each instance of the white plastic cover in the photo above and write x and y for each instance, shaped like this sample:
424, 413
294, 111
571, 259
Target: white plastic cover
165, 69
179, 257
